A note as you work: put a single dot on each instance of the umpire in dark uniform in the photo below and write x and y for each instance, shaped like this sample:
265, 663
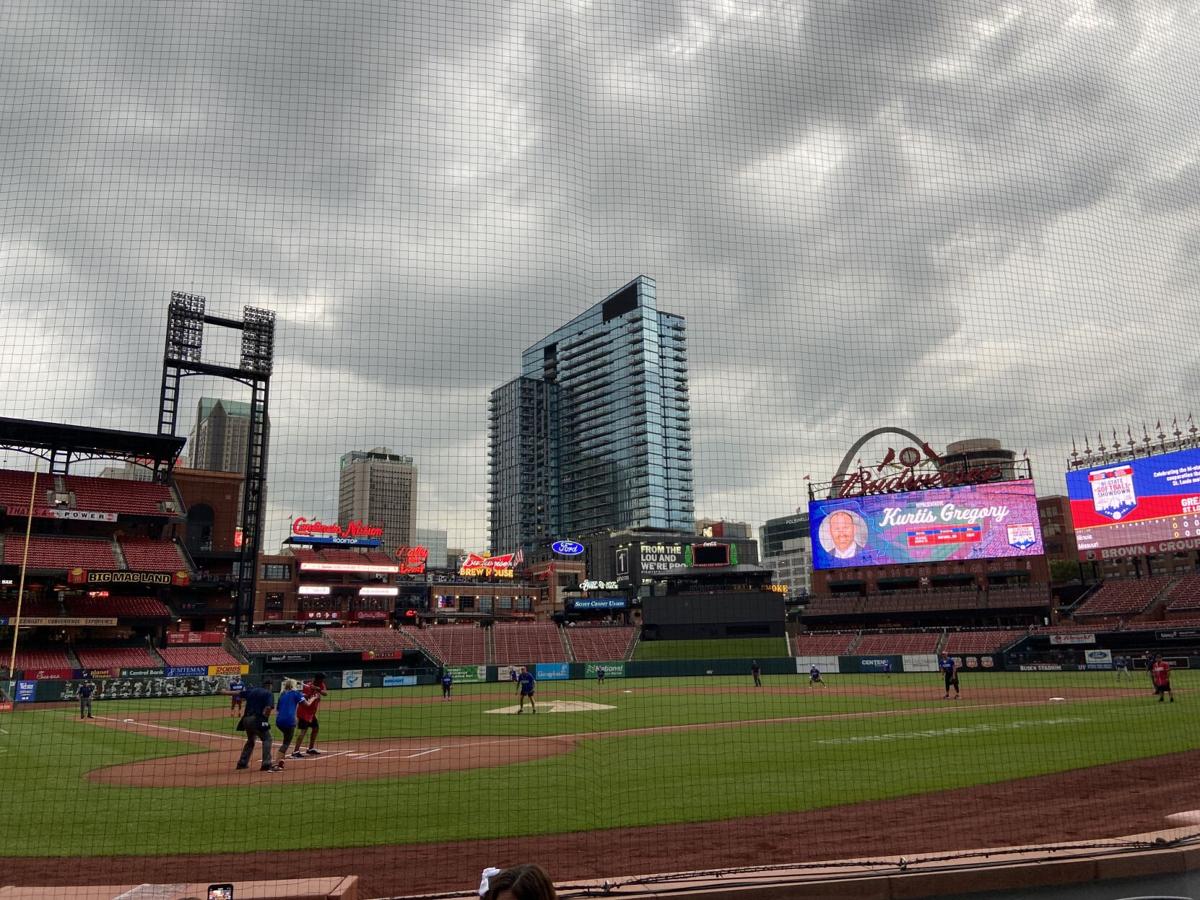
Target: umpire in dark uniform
256, 722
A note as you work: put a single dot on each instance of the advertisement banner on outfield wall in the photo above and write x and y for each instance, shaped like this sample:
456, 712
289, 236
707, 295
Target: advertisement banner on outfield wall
826, 664
467, 674
187, 671
1064, 640
134, 688
399, 680
1098, 659
216, 671
920, 662
611, 670
352, 678
552, 671
26, 691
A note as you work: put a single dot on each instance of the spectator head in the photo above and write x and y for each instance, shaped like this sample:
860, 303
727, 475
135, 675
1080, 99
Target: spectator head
527, 882
289, 684
268, 683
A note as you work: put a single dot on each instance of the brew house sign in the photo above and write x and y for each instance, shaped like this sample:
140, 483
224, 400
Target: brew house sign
911, 470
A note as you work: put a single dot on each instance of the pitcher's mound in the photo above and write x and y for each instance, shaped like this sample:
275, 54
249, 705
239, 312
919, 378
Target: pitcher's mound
554, 706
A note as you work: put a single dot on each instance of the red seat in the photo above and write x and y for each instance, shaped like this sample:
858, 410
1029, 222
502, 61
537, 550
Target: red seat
1123, 596
384, 640
456, 645
900, 643
285, 644
146, 555
600, 643
527, 643
817, 644
60, 553
40, 659
967, 642
120, 496
116, 658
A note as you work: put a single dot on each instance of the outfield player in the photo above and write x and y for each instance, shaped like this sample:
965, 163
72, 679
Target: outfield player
447, 683
86, 691
1160, 673
235, 701
756, 673
600, 674
814, 677
526, 684
1121, 664
949, 666
306, 716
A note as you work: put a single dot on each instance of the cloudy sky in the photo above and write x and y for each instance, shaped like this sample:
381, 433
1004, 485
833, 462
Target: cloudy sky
963, 218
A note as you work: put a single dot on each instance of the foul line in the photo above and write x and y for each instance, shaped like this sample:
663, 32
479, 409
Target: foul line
207, 734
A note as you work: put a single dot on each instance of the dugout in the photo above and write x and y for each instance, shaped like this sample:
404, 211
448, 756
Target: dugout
719, 602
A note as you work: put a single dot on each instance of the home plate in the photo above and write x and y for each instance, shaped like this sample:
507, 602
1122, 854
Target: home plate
555, 706
1191, 817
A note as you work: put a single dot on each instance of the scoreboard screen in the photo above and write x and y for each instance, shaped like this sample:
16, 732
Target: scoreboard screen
984, 521
1149, 504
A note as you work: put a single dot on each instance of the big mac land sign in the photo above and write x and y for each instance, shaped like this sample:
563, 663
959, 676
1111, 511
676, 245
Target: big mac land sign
353, 534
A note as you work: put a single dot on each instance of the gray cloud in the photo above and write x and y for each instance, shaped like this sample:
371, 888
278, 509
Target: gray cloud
960, 218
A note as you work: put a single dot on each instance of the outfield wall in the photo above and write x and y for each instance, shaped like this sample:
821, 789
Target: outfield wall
158, 683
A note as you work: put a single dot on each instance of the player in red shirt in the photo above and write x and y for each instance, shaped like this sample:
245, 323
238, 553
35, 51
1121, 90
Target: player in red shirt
1160, 674
306, 716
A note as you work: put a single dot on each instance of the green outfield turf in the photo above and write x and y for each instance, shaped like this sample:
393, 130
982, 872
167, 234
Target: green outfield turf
866, 737
722, 648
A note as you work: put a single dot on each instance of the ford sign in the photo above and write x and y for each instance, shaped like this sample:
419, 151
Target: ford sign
567, 548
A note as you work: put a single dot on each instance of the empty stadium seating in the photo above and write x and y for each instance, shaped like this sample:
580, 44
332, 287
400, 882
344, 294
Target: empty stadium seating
15, 488
817, 644
120, 607
872, 644
60, 553
1017, 597
525, 643
145, 555
981, 641
116, 657
1123, 596
119, 495
286, 643
600, 643
453, 644
197, 656
40, 659
384, 640
1185, 595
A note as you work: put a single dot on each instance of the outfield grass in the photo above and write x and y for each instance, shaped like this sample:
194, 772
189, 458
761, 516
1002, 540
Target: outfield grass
722, 648
900, 748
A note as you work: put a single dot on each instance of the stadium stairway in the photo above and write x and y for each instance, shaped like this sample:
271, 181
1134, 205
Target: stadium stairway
633, 645
119, 555
1157, 610
941, 645
567, 648
489, 646
230, 646
853, 648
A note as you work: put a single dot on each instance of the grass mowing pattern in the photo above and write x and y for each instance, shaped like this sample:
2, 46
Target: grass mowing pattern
648, 778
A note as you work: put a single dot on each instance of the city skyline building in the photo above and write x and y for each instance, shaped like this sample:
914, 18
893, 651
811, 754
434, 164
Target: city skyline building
379, 487
220, 434
434, 540
595, 434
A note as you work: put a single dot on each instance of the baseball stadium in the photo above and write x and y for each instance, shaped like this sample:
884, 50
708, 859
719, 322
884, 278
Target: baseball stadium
529, 451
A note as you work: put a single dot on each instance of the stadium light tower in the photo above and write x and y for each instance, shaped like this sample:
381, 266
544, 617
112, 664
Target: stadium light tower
186, 319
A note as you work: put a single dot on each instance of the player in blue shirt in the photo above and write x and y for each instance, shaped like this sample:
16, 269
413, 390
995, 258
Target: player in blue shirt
290, 699
447, 683
525, 685
814, 677
949, 667
235, 701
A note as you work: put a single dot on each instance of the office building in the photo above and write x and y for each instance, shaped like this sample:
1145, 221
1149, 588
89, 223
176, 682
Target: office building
721, 528
787, 550
219, 437
434, 540
785, 528
379, 487
595, 435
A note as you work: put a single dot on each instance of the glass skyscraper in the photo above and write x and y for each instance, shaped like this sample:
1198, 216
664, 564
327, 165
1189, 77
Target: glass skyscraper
594, 436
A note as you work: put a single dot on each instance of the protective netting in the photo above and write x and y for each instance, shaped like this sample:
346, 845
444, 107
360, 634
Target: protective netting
636, 278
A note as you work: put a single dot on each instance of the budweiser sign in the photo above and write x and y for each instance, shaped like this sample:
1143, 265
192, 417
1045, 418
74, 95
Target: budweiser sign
475, 565
911, 470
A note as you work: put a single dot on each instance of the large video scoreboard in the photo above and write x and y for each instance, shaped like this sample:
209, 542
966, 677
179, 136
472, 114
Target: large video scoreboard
1151, 504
